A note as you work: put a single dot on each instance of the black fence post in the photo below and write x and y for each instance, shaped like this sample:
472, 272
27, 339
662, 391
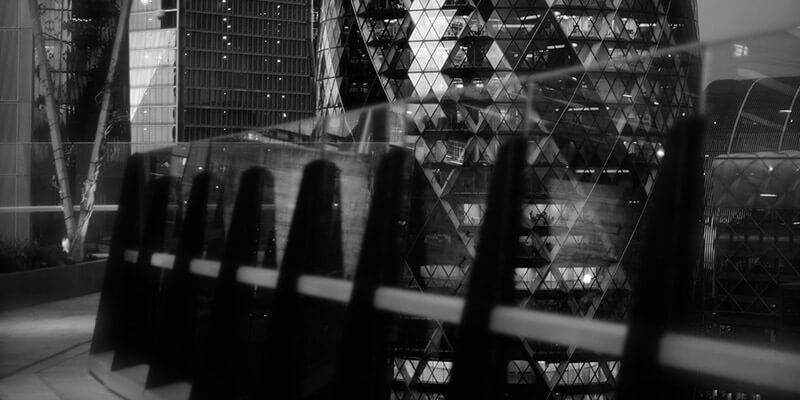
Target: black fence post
298, 360
480, 365
219, 364
125, 236
142, 283
662, 289
216, 235
364, 367
173, 353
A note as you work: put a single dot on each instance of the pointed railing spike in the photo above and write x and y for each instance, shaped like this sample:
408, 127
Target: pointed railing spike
220, 359
173, 353
479, 368
299, 354
364, 368
662, 292
216, 233
109, 316
142, 283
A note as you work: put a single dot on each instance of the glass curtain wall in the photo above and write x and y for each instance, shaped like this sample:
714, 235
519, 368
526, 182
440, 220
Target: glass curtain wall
244, 64
461, 66
16, 92
153, 44
752, 212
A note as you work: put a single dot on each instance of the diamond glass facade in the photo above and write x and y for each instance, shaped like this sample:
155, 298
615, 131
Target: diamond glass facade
752, 210
466, 71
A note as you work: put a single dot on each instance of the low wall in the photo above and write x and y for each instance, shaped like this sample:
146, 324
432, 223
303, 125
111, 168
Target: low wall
22, 289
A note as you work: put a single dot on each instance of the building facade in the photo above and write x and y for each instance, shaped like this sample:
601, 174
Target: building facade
78, 36
752, 214
201, 69
461, 69
193, 70
16, 105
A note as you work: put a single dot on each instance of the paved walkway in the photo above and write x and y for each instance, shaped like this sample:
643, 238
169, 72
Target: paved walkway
44, 349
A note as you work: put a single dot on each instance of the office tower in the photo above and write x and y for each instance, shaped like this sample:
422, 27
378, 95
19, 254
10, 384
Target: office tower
16, 105
207, 68
596, 143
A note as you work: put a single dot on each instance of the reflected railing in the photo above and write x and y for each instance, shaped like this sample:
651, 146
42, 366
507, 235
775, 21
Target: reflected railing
596, 137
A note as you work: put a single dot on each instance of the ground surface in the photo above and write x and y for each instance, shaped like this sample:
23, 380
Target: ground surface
44, 351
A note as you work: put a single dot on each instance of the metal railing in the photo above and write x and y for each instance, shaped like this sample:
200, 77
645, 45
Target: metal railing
750, 364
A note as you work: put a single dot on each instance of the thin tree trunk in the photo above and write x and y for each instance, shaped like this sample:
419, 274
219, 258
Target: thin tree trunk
53, 121
90, 184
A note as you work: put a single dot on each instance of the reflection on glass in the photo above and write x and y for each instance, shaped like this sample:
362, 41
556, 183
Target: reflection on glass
454, 82
153, 45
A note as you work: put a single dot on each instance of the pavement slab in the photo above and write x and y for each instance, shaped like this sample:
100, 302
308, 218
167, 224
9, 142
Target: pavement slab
44, 352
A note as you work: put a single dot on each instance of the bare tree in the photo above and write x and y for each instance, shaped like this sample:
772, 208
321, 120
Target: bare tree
103, 127
45, 76
76, 231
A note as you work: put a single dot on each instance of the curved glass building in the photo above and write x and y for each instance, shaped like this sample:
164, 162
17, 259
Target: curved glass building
462, 70
434, 51
752, 214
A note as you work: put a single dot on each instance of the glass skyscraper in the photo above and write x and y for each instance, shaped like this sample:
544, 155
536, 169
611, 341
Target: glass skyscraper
16, 106
596, 140
153, 74
207, 68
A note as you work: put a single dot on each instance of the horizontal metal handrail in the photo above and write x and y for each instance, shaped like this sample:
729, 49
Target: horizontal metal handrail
54, 208
750, 364
96, 207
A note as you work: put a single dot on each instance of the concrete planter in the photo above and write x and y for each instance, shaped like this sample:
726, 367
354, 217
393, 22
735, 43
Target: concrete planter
22, 289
